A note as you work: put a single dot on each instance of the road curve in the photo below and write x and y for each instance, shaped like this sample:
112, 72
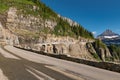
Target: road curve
27, 65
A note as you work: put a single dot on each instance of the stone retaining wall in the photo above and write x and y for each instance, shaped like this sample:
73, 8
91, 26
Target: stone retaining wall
104, 65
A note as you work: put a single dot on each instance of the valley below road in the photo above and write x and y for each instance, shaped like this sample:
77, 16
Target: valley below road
17, 64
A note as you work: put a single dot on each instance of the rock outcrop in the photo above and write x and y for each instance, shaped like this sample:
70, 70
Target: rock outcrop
7, 37
101, 49
34, 31
26, 22
63, 45
20, 30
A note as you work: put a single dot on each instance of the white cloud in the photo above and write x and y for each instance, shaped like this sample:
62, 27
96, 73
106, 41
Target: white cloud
94, 32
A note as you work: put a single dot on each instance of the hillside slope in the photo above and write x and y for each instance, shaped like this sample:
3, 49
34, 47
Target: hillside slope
30, 24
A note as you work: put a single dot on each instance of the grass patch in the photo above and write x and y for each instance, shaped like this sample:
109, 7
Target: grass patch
95, 55
3, 7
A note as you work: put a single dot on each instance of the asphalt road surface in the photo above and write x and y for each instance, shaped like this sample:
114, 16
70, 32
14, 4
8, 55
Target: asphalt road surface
17, 64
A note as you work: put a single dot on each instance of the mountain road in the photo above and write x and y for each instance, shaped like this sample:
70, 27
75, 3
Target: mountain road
17, 64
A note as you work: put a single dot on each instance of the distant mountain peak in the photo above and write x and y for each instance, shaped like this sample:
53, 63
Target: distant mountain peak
108, 34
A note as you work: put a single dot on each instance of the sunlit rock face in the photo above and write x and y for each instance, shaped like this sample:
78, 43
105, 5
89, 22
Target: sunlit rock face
25, 31
16, 26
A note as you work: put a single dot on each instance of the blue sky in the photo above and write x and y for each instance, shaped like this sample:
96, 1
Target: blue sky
94, 15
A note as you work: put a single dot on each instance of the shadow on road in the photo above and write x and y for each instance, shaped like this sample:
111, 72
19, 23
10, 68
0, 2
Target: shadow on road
16, 69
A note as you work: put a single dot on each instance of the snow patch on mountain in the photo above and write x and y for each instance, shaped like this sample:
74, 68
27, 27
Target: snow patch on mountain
108, 34
110, 37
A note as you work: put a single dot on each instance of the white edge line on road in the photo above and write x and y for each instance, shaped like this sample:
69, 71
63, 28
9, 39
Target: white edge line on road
49, 78
8, 55
34, 74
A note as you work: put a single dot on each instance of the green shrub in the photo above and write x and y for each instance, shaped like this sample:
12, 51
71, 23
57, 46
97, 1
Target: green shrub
115, 51
96, 56
99, 44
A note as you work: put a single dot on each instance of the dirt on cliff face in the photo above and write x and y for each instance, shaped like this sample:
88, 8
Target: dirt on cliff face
3, 20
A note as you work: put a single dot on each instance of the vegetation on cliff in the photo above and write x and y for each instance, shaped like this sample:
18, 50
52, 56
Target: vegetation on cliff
101, 50
106, 53
38, 9
99, 44
26, 6
115, 51
63, 28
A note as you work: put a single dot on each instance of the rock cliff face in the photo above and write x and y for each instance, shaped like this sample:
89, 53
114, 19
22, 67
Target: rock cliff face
22, 30
35, 32
17, 22
63, 45
102, 50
